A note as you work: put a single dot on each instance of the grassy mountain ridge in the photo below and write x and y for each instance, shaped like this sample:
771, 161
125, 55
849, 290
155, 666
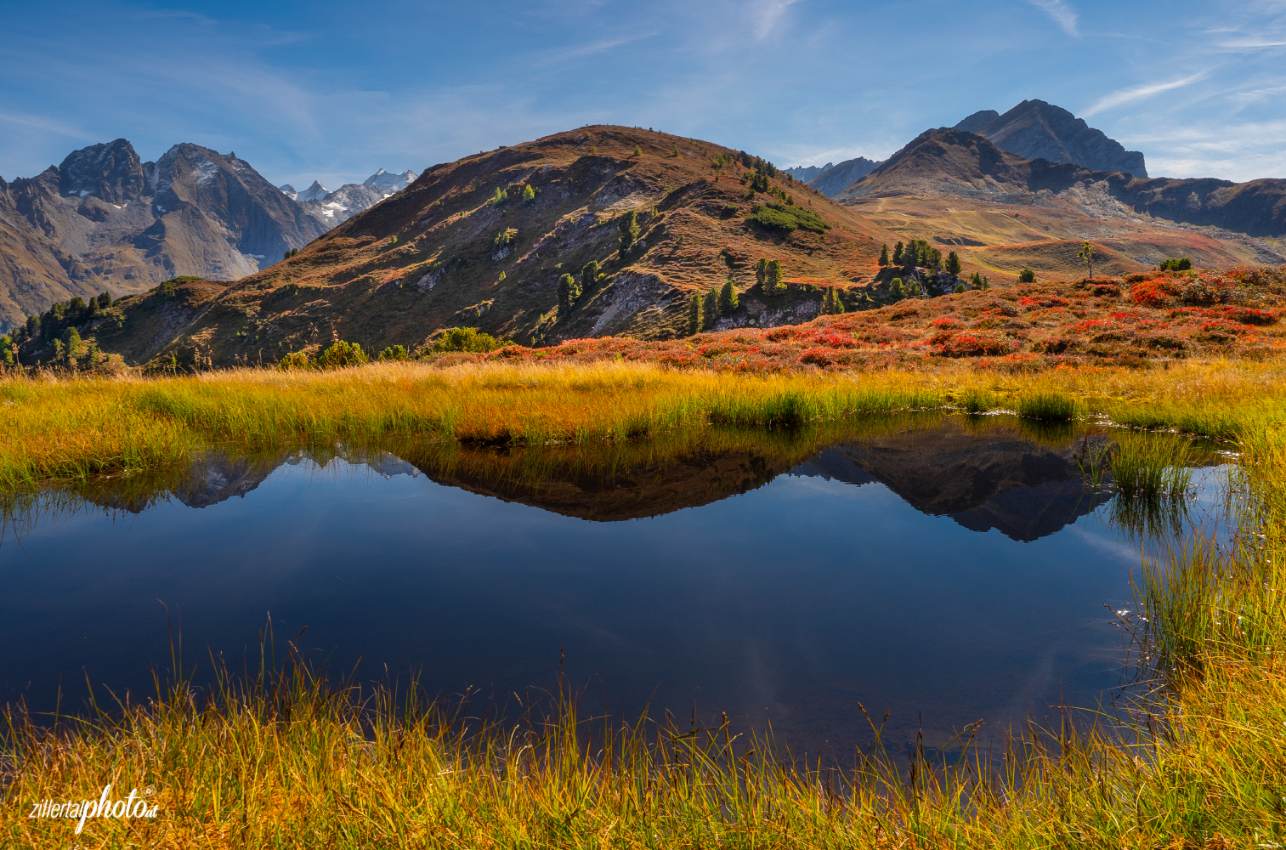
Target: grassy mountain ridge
483, 242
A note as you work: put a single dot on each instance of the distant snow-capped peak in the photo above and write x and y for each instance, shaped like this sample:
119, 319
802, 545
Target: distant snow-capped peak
314, 192
388, 183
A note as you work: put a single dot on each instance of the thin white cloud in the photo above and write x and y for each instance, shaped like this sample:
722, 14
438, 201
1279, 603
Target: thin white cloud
767, 14
1252, 43
1123, 96
49, 125
1063, 15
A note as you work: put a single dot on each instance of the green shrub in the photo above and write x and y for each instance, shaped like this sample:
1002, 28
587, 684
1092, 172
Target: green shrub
395, 352
787, 218
961, 287
528, 194
467, 340
341, 354
293, 360
1182, 264
1027, 276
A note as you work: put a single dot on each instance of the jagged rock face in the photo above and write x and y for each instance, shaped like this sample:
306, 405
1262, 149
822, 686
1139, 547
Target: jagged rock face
1035, 129
104, 220
112, 172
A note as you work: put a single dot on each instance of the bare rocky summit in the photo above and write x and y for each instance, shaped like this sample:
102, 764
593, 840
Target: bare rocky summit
105, 220
1035, 129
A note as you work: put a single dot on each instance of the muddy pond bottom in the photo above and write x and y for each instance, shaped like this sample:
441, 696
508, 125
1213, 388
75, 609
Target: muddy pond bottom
945, 572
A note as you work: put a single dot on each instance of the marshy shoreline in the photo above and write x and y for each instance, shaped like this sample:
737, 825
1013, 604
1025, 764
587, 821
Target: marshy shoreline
289, 758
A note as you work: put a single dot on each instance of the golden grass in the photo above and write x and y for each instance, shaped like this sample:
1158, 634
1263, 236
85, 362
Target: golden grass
70, 429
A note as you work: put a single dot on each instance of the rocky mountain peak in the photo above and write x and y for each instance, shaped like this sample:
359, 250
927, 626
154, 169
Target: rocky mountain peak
383, 181
111, 171
314, 192
1035, 129
978, 120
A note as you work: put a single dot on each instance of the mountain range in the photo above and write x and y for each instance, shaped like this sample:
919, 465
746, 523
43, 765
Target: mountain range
332, 208
104, 220
482, 242
468, 245
1033, 129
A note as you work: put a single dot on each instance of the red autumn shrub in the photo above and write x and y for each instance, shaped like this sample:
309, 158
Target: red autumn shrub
1249, 316
817, 357
947, 323
1152, 293
1043, 301
972, 345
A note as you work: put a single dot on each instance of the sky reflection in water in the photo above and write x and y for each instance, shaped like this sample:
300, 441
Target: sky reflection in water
945, 574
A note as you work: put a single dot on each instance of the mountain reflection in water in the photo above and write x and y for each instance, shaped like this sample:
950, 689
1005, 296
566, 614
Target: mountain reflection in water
989, 476
788, 575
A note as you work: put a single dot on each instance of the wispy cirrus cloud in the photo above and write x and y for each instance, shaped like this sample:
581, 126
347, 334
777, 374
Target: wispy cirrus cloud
1124, 96
1063, 14
767, 14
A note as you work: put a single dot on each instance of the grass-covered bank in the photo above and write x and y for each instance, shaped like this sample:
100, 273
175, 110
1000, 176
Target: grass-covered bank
298, 762
74, 429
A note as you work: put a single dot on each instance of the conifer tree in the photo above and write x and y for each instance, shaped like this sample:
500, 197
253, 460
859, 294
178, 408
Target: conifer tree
711, 312
696, 313
831, 303
895, 288
589, 275
953, 263
728, 299
884, 255
628, 225
568, 292
761, 273
897, 254
528, 194
776, 278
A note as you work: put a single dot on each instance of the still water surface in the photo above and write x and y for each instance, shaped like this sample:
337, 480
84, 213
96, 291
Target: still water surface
945, 574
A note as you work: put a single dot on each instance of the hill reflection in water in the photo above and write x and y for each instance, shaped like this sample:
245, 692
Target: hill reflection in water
950, 569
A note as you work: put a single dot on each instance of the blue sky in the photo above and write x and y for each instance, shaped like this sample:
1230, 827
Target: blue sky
334, 90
